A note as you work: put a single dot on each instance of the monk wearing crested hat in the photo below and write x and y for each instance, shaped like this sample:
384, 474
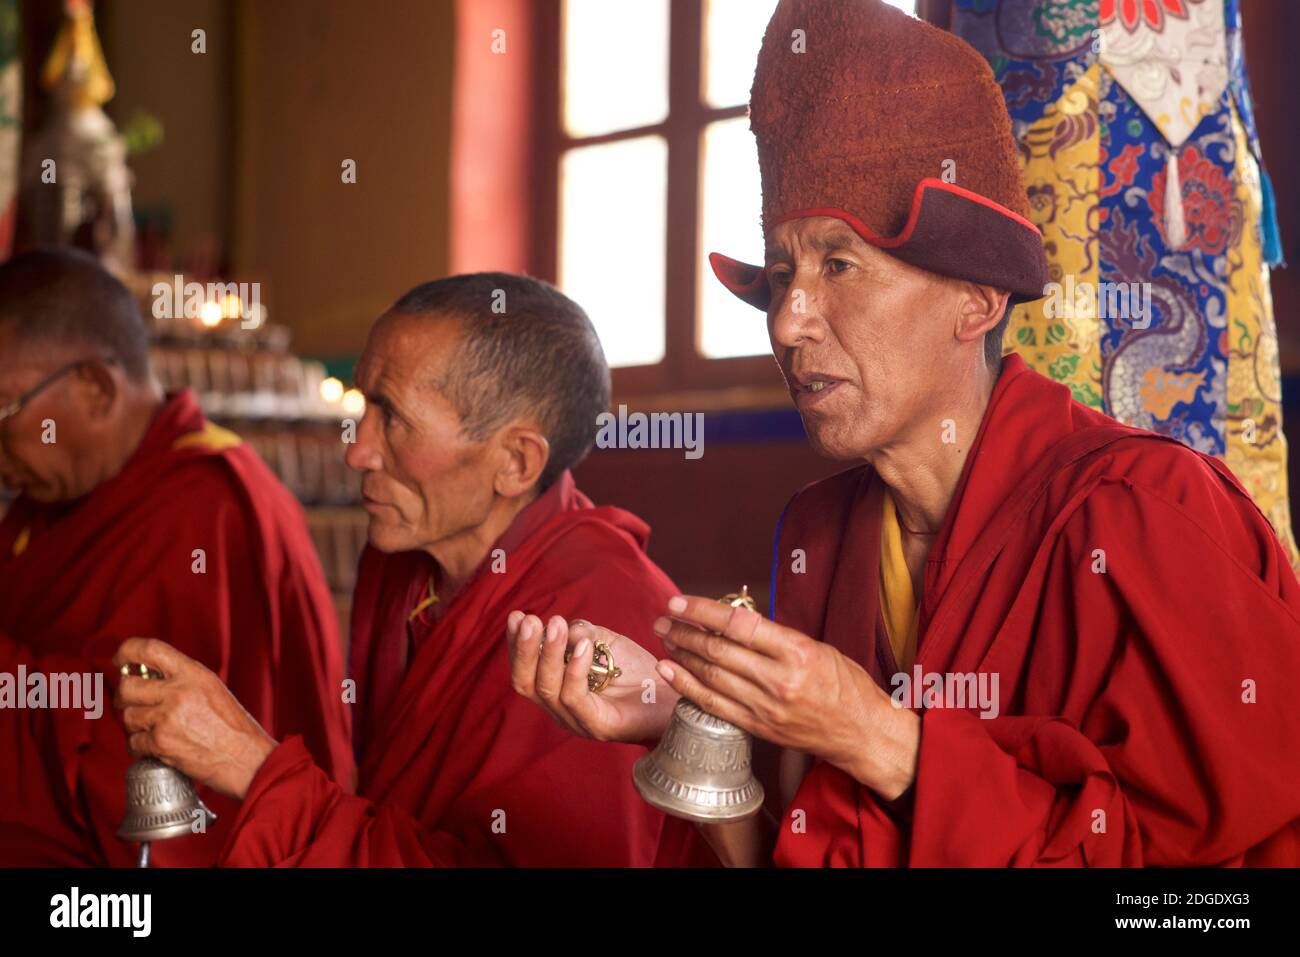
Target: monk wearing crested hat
1014, 632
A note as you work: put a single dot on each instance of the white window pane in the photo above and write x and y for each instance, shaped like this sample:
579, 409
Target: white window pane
733, 32
615, 65
613, 222
730, 224
907, 6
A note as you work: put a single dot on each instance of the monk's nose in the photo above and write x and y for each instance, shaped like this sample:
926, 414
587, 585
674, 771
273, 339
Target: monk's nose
362, 454
795, 320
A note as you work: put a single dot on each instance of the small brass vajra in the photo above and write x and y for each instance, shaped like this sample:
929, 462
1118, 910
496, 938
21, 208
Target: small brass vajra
603, 670
743, 599
140, 671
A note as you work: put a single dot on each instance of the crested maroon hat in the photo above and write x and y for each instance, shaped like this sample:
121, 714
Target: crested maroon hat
898, 128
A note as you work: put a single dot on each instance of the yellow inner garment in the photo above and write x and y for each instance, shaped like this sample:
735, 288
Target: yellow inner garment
897, 604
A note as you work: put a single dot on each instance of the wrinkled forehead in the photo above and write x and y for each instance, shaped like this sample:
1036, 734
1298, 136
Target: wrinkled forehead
812, 237
814, 234
407, 352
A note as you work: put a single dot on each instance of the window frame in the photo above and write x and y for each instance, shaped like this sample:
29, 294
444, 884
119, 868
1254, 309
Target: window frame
682, 367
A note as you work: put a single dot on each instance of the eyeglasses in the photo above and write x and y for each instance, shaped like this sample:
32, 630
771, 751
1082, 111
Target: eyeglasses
9, 410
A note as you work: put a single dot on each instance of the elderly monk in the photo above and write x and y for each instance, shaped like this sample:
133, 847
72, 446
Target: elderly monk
1020, 633
135, 516
482, 392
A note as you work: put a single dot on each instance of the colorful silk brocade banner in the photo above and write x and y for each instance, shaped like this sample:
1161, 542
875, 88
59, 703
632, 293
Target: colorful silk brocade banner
1143, 170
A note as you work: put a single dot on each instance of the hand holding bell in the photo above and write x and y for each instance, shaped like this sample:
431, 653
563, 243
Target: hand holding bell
790, 689
189, 721
161, 802
702, 769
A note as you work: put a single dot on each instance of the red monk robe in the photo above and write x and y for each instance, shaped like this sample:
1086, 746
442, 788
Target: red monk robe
456, 768
78, 579
1147, 711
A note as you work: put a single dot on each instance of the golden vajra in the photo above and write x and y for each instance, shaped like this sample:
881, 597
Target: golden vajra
140, 671
603, 670
742, 600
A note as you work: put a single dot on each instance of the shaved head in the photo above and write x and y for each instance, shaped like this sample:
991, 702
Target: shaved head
74, 352
480, 391
63, 298
524, 348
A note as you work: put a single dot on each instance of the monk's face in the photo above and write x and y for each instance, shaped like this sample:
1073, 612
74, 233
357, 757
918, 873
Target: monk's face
51, 450
862, 338
424, 482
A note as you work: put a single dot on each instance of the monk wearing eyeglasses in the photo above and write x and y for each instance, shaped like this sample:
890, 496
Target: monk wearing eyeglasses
134, 516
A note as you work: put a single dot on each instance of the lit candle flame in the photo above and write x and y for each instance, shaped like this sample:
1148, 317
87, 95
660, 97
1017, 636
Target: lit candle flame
210, 314
354, 403
331, 390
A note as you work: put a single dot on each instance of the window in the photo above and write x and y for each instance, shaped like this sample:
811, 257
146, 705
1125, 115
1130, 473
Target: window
654, 167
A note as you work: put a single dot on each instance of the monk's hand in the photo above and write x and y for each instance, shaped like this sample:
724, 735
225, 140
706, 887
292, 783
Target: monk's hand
780, 685
635, 706
188, 719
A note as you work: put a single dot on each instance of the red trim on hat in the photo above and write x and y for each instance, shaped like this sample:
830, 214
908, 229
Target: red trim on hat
865, 231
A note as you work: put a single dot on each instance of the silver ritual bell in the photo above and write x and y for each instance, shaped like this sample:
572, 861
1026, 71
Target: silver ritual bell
161, 802
702, 769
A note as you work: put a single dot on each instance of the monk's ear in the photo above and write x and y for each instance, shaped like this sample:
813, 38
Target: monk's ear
97, 388
979, 310
526, 454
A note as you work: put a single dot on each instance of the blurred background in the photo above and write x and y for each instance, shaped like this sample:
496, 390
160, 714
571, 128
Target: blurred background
599, 144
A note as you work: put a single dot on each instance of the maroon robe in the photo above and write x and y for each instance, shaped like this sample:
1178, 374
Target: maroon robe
120, 563
456, 768
1144, 625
